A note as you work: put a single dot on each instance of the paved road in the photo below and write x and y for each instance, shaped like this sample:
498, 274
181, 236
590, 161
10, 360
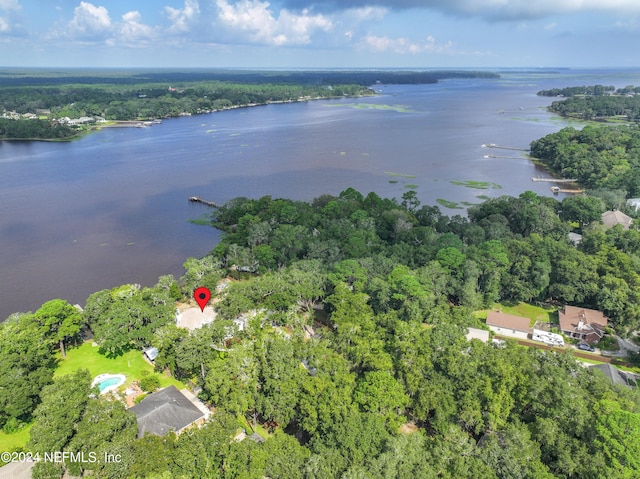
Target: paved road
626, 345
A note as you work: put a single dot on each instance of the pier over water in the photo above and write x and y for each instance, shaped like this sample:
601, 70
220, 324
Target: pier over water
197, 199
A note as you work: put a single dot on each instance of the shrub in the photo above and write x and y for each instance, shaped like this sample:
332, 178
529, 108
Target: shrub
149, 383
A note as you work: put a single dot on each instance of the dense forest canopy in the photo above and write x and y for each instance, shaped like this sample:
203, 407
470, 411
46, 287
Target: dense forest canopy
596, 102
353, 355
605, 157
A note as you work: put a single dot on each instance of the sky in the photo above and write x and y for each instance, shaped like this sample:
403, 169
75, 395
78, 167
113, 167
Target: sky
320, 33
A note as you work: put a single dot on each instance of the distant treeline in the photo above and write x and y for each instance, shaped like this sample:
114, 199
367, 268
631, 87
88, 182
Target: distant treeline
127, 102
46, 77
593, 90
596, 102
34, 130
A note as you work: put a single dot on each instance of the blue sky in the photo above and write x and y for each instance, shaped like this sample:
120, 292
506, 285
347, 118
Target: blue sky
320, 33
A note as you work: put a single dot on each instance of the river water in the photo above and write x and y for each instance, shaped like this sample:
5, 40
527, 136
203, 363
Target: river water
112, 207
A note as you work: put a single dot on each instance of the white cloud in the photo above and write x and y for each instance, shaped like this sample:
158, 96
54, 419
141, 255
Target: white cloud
9, 5
487, 9
551, 26
4, 25
90, 21
93, 24
182, 18
255, 19
368, 13
133, 31
403, 45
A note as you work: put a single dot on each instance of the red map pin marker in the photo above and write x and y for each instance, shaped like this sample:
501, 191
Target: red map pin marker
202, 295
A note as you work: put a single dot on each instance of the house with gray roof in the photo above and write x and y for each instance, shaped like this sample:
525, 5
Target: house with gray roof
613, 218
164, 411
615, 375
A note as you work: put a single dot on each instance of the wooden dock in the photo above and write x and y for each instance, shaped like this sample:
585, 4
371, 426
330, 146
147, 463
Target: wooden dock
555, 180
557, 189
197, 199
493, 145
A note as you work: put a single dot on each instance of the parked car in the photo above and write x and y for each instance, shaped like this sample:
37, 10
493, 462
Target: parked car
586, 347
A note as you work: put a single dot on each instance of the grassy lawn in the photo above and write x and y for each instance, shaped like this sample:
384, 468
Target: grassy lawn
17, 440
131, 364
526, 310
244, 424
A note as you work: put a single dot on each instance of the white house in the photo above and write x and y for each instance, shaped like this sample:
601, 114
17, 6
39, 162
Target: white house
508, 325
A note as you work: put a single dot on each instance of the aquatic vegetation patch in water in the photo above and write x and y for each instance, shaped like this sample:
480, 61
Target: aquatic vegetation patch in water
479, 185
411, 186
373, 106
390, 173
204, 220
449, 204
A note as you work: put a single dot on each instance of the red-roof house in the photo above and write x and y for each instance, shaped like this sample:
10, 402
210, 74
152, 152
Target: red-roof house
582, 323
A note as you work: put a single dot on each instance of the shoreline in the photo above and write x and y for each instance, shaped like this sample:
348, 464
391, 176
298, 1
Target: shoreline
147, 123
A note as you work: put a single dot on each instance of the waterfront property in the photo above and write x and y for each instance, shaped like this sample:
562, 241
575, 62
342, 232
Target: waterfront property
150, 353
613, 218
166, 410
108, 382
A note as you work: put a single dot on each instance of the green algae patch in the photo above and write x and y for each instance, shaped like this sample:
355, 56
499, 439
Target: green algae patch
479, 185
449, 204
402, 175
373, 106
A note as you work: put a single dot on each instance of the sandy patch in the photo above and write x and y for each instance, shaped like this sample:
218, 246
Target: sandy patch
193, 318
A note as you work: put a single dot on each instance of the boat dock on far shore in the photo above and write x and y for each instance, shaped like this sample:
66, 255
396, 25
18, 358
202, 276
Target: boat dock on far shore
555, 180
557, 189
197, 199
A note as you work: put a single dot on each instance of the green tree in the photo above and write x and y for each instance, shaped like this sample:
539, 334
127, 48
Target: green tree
380, 392
127, 316
106, 427
62, 406
619, 436
582, 209
60, 321
26, 367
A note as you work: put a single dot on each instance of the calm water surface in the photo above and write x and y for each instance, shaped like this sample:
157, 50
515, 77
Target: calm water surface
112, 208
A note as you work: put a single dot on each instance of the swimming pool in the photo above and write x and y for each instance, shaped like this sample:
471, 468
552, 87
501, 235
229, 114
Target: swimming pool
108, 382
